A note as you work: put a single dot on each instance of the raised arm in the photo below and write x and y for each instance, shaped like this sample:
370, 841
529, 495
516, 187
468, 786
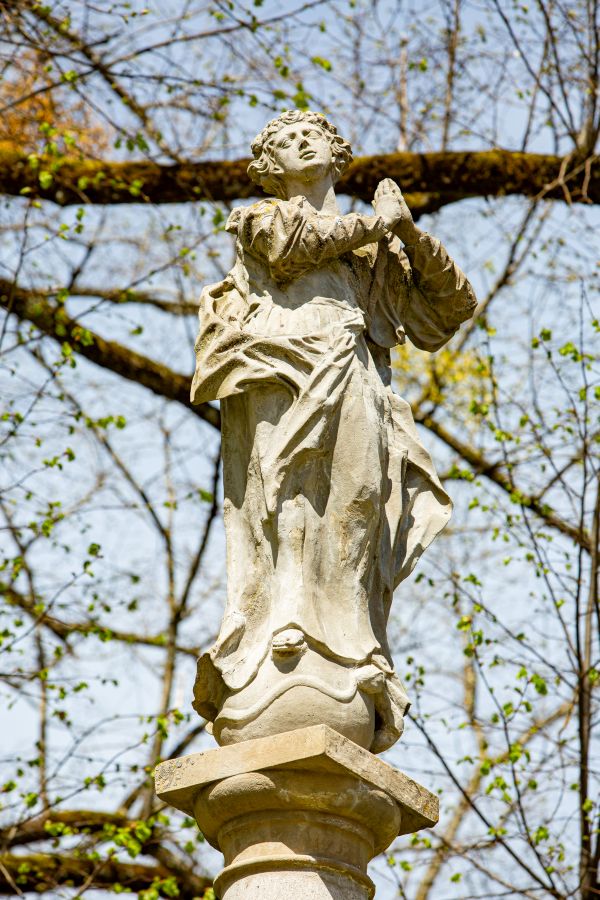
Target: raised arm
293, 239
439, 296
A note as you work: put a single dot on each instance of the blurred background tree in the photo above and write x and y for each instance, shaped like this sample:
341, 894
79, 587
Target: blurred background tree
123, 139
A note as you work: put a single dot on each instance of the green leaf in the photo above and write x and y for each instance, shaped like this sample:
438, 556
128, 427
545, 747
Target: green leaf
323, 63
45, 179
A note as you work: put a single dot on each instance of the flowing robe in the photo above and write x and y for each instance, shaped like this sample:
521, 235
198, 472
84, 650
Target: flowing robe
330, 497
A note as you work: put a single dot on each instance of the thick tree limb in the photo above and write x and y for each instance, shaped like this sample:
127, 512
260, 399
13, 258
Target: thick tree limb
45, 871
430, 180
74, 820
52, 320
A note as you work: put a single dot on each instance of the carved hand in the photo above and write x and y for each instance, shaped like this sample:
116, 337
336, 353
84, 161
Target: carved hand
389, 203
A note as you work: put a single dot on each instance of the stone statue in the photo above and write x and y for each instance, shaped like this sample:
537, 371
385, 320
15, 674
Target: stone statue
330, 497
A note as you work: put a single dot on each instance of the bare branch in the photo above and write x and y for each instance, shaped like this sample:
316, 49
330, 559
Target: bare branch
493, 471
64, 630
53, 321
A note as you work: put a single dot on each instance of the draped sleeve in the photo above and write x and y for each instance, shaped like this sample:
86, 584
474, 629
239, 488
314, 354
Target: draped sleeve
419, 291
292, 238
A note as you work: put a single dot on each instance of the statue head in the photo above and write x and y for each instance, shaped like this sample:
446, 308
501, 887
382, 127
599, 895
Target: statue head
300, 145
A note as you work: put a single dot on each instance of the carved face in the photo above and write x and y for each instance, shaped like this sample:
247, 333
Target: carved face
301, 151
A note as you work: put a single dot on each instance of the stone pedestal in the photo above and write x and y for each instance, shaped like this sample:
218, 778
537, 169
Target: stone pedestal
296, 815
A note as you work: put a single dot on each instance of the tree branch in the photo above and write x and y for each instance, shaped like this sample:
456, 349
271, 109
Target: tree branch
53, 321
45, 871
64, 630
463, 804
494, 472
430, 180
74, 820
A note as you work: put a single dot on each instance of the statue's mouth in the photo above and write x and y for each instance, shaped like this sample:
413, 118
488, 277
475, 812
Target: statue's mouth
307, 154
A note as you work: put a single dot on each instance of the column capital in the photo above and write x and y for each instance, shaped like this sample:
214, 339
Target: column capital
299, 814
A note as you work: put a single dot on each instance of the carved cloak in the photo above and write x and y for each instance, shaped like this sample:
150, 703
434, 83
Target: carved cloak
330, 497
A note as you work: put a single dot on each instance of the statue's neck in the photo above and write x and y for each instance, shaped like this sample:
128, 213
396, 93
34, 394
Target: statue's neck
319, 194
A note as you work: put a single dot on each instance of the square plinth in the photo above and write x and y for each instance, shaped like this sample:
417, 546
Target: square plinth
318, 748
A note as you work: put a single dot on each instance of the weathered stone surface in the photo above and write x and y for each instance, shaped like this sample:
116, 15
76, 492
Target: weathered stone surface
298, 814
330, 497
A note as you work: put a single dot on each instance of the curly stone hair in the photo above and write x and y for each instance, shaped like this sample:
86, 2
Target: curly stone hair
264, 171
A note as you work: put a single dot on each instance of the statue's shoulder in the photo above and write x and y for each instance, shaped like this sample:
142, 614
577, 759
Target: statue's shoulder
243, 214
